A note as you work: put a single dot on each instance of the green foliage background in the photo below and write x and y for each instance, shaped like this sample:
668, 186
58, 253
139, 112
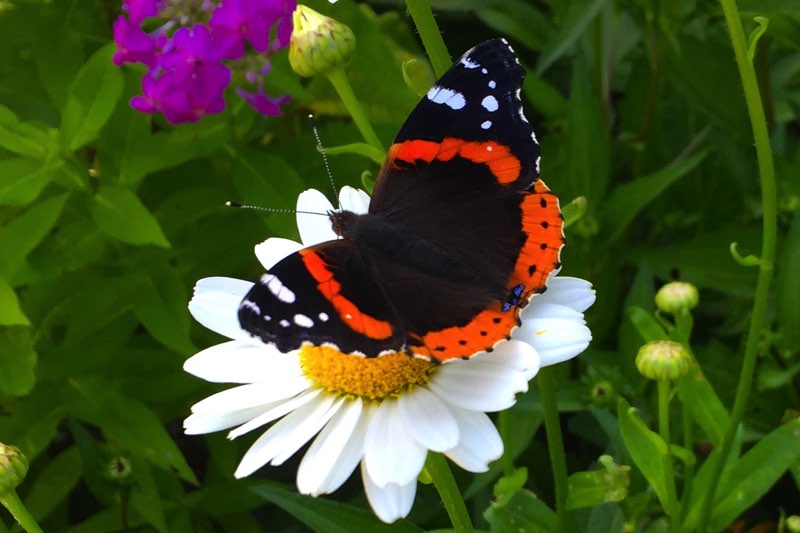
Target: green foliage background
108, 217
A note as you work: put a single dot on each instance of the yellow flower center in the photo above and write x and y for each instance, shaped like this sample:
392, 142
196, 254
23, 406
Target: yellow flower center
372, 378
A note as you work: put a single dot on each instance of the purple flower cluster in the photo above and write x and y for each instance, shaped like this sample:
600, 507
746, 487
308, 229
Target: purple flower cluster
186, 77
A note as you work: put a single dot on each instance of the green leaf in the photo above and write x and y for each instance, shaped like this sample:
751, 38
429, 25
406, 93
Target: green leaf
744, 483
755, 35
325, 515
17, 360
649, 452
591, 488
22, 138
578, 17
519, 20
10, 312
120, 214
699, 398
54, 483
787, 285
23, 234
160, 305
418, 76
127, 421
91, 99
646, 325
521, 512
630, 198
21, 180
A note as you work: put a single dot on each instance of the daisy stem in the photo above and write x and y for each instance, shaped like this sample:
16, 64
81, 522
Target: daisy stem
342, 85
11, 501
555, 443
445, 483
504, 421
766, 172
663, 430
421, 13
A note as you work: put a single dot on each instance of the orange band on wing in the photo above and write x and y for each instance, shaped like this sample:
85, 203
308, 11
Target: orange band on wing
503, 165
350, 314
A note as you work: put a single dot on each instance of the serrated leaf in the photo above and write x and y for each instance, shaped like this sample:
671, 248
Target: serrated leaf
17, 360
128, 422
23, 234
21, 180
327, 516
649, 452
120, 214
91, 99
10, 312
630, 198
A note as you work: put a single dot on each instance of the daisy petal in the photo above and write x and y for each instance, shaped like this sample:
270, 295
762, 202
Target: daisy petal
480, 443
274, 412
457, 384
555, 339
355, 200
313, 228
427, 419
200, 423
280, 441
242, 362
391, 455
327, 464
513, 354
215, 302
390, 502
246, 396
274, 249
571, 292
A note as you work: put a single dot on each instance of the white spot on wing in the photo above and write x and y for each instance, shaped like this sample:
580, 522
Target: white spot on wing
484, 71
303, 321
450, 98
284, 323
492, 84
324, 317
490, 103
278, 289
249, 304
486, 125
468, 63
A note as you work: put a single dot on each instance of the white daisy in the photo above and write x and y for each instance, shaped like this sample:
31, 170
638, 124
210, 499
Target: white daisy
383, 413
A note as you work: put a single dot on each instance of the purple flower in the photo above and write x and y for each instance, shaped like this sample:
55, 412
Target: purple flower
133, 44
262, 102
237, 21
138, 10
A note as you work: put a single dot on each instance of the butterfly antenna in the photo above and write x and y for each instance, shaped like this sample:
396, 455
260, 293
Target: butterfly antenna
271, 209
324, 158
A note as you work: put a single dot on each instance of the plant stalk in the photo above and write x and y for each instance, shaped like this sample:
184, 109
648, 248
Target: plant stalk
445, 483
421, 13
555, 443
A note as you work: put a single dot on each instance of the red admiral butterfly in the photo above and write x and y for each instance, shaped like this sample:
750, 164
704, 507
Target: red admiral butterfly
460, 233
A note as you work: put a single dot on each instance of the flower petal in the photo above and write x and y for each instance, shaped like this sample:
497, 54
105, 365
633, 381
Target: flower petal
328, 463
555, 339
209, 422
390, 502
274, 249
314, 228
288, 435
215, 302
355, 200
564, 290
427, 419
391, 455
243, 362
458, 382
275, 411
513, 354
480, 443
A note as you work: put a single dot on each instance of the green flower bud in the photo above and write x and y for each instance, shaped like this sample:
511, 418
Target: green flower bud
318, 44
13, 467
119, 468
677, 296
602, 392
663, 360
793, 524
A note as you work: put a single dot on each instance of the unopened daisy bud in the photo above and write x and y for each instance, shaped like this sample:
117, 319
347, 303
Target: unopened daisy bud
602, 392
318, 44
793, 524
13, 467
677, 296
663, 360
119, 468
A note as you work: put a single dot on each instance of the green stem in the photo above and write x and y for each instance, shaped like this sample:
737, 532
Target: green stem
663, 430
340, 82
766, 171
504, 421
437, 467
420, 11
555, 443
688, 472
11, 501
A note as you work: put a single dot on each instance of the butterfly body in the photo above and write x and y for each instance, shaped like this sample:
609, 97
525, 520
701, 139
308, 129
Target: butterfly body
460, 233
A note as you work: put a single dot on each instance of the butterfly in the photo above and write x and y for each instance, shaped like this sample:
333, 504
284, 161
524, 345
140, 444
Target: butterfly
460, 233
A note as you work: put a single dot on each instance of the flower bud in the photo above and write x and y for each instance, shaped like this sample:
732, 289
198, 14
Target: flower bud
319, 43
663, 360
13, 467
793, 524
677, 296
602, 392
119, 468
